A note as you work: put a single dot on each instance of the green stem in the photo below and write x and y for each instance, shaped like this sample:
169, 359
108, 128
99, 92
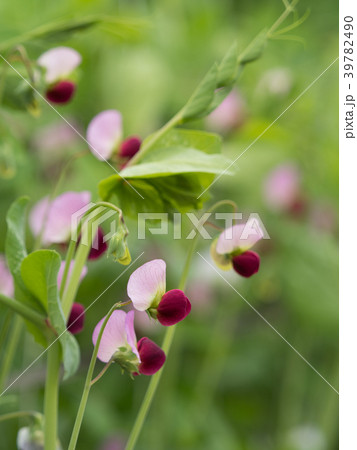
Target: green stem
10, 351
149, 142
51, 396
24, 311
155, 379
88, 382
19, 414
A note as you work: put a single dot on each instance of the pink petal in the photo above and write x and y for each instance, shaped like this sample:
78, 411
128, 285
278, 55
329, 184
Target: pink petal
59, 63
61, 270
239, 237
282, 187
229, 114
114, 335
64, 210
38, 214
130, 332
104, 133
147, 284
6, 281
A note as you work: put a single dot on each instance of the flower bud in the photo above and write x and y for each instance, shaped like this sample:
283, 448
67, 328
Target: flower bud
118, 247
173, 307
129, 147
75, 322
99, 246
61, 92
246, 264
151, 356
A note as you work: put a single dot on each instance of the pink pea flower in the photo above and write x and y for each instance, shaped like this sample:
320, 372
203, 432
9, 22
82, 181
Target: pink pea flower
6, 281
58, 216
59, 64
282, 188
119, 344
75, 323
229, 115
104, 134
232, 248
147, 290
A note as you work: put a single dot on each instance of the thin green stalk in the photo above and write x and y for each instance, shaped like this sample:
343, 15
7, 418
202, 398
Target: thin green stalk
51, 396
166, 345
19, 414
154, 138
24, 311
10, 351
88, 382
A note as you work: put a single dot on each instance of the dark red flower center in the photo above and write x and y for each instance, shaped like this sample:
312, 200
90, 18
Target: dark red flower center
151, 356
98, 246
61, 92
75, 322
173, 307
246, 264
129, 147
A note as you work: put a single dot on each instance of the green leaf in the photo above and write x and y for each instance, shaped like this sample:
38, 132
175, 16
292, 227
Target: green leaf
200, 140
255, 48
176, 160
15, 249
201, 98
39, 271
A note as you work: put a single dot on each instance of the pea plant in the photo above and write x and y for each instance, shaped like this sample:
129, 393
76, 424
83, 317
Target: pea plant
170, 171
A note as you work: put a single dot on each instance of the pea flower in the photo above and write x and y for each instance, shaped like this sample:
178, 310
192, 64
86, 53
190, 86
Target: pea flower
282, 188
118, 343
6, 281
147, 290
57, 216
104, 135
229, 115
59, 64
99, 245
232, 248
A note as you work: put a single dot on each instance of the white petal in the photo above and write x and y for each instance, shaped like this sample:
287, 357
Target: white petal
114, 335
59, 63
104, 133
147, 283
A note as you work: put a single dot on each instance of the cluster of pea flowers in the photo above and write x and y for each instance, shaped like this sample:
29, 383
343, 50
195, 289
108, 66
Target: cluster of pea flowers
232, 248
147, 290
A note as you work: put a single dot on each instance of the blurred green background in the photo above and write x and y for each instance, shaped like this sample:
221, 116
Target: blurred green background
231, 382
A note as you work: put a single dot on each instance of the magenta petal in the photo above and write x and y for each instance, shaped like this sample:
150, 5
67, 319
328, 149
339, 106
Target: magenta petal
99, 246
173, 308
151, 355
104, 133
61, 92
129, 147
75, 322
246, 264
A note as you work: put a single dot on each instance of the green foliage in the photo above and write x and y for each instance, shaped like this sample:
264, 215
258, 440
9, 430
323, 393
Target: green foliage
39, 271
172, 176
